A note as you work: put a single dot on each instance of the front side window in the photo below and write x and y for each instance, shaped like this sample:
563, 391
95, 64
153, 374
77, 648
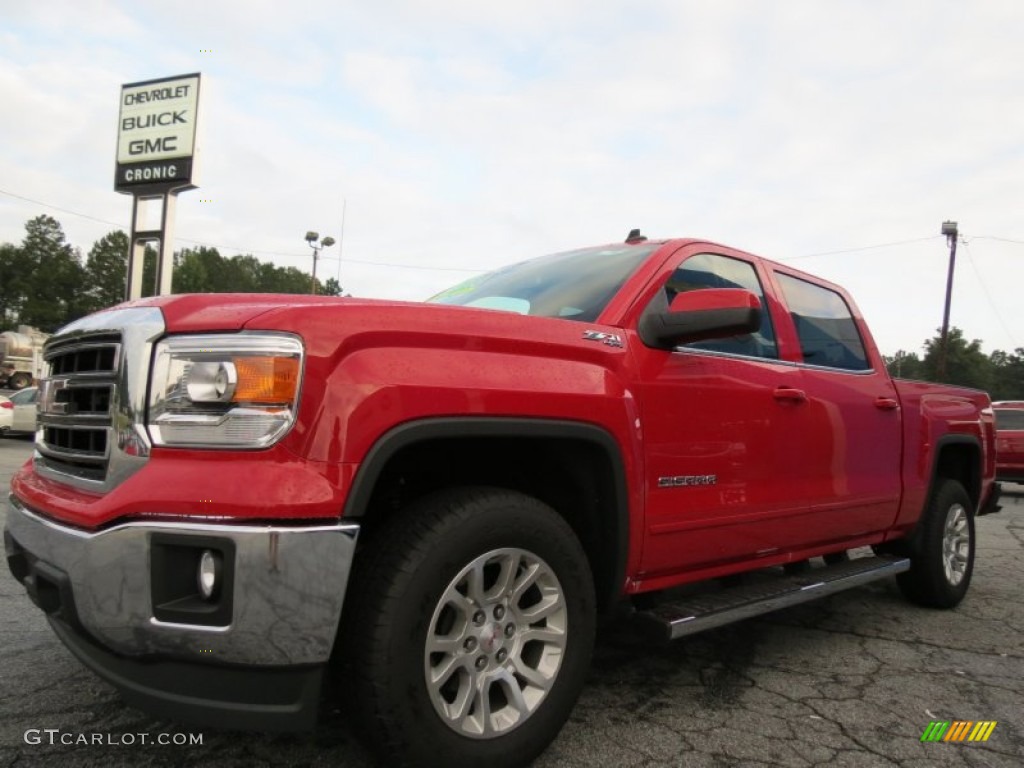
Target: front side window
824, 324
710, 270
575, 285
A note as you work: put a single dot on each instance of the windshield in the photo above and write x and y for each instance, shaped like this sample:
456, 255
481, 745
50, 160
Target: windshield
576, 285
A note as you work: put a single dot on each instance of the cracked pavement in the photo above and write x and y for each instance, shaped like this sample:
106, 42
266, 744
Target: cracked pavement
847, 681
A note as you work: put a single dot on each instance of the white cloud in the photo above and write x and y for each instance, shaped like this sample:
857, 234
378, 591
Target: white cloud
467, 134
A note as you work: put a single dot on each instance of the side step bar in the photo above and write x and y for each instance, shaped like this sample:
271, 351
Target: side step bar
670, 621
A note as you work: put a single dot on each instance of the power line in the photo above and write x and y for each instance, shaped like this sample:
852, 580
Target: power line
862, 248
252, 251
999, 239
984, 288
57, 208
393, 265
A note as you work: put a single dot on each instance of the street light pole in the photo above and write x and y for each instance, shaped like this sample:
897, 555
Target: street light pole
949, 229
327, 242
312, 283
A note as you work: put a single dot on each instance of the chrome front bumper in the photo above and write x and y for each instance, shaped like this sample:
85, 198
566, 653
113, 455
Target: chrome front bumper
287, 588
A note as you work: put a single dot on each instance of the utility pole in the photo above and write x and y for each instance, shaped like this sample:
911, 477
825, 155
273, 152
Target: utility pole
949, 229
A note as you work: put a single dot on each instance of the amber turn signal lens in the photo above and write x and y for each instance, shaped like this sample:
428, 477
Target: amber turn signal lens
266, 379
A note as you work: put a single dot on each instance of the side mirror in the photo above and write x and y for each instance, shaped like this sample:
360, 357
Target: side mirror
710, 313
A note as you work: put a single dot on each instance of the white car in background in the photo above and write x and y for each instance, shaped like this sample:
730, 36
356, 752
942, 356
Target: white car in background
18, 412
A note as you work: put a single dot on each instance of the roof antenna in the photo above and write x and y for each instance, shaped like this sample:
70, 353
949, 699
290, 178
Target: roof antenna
634, 236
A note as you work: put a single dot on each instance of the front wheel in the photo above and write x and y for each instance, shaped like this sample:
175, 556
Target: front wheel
19, 381
470, 630
943, 561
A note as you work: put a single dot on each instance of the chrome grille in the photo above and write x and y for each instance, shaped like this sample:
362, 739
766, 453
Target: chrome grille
99, 356
75, 405
92, 403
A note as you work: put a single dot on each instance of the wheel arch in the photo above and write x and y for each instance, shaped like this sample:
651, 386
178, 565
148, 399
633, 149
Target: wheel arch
958, 457
576, 468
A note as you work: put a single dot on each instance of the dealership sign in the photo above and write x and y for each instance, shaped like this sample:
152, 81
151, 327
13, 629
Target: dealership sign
156, 134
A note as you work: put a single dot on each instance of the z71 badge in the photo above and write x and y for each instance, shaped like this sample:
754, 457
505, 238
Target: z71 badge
611, 339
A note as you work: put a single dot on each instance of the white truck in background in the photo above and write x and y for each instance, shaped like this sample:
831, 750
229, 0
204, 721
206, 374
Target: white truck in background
21, 356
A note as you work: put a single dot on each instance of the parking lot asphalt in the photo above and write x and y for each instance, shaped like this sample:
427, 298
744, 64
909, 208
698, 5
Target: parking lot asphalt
849, 681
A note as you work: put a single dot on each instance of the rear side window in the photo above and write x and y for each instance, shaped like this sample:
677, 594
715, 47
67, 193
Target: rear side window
828, 334
1009, 418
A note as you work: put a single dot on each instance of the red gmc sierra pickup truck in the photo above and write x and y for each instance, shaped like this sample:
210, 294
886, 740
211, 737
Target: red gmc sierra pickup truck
240, 502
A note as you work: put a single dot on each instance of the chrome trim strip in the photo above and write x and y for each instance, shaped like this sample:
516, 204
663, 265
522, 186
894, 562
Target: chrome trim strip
290, 585
87, 420
773, 360
67, 347
63, 454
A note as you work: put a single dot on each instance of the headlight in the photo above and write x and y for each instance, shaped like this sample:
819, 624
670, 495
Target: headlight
224, 391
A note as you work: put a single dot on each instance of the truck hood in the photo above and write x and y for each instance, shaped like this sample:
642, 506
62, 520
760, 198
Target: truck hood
328, 328
205, 312
324, 322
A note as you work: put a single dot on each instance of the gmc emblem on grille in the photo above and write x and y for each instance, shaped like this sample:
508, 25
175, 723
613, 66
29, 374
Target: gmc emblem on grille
48, 405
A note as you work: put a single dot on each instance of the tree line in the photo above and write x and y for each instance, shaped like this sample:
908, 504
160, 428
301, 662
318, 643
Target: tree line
46, 282
999, 373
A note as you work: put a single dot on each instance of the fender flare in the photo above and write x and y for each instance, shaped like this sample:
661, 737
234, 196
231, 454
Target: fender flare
944, 442
412, 432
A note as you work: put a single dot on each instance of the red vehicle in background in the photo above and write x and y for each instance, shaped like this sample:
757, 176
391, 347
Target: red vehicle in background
1009, 440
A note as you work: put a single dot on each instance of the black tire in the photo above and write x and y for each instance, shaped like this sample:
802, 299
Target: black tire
19, 381
397, 604
942, 558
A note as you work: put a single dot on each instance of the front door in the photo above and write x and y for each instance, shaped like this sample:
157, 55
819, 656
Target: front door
724, 429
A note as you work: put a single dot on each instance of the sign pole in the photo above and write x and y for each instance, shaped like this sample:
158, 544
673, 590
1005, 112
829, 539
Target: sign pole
165, 253
136, 255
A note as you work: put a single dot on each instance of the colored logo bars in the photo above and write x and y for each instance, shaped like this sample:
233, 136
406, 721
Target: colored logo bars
958, 730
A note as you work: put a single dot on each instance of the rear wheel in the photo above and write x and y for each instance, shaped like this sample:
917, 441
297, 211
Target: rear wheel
470, 630
19, 381
943, 560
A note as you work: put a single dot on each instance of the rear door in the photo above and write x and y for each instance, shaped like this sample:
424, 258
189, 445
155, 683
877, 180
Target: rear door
852, 417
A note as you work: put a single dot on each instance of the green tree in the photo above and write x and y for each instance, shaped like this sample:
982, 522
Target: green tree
966, 364
204, 270
1007, 375
189, 272
55, 276
905, 365
275, 279
292, 280
243, 274
332, 287
106, 270
200, 270
12, 284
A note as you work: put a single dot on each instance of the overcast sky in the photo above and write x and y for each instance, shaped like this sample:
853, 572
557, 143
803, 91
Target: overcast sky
460, 135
